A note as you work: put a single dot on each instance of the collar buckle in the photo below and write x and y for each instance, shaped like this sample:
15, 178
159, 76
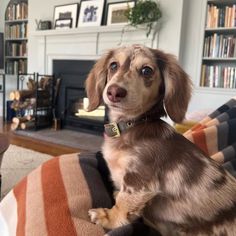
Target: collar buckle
112, 129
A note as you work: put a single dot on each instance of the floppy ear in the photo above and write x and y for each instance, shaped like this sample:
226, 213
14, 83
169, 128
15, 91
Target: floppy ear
178, 86
96, 82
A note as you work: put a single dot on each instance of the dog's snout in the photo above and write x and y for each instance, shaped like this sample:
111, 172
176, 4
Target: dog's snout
116, 93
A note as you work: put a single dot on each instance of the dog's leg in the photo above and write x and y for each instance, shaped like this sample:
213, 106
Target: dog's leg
128, 204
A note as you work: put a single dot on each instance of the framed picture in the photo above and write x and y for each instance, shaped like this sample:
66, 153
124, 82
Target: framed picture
65, 24
116, 12
91, 13
66, 12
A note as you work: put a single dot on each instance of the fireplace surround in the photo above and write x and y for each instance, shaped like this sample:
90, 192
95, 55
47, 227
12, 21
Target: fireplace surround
70, 54
72, 97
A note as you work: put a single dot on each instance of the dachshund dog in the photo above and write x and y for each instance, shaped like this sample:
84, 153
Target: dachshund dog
159, 174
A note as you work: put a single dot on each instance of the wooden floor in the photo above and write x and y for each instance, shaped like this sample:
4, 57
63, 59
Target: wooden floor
35, 144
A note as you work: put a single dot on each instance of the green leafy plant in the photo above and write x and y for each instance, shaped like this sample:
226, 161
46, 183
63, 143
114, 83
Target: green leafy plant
144, 12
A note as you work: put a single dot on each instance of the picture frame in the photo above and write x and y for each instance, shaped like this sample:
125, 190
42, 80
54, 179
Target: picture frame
116, 12
66, 12
91, 13
64, 23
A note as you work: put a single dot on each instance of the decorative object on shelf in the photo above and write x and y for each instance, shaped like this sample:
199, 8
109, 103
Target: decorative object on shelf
43, 25
144, 12
116, 12
91, 12
218, 68
66, 12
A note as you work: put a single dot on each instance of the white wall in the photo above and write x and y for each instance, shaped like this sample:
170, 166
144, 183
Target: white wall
3, 6
170, 34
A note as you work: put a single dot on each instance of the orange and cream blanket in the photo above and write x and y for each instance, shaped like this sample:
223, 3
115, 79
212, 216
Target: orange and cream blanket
54, 200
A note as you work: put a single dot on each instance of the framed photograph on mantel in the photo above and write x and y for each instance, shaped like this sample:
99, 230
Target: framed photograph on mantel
65, 13
91, 13
63, 24
116, 12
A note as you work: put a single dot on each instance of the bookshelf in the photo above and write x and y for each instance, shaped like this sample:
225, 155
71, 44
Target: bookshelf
218, 65
16, 31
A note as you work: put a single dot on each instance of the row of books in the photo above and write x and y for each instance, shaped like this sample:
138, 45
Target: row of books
14, 67
16, 31
221, 46
217, 76
17, 11
16, 49
221, 16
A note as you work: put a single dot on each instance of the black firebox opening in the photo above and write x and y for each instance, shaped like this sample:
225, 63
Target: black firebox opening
71, 99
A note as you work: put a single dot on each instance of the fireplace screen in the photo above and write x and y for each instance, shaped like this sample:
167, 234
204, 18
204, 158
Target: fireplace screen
72, 101
75, 114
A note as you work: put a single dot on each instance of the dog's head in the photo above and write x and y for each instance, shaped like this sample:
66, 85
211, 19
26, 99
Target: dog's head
131, 80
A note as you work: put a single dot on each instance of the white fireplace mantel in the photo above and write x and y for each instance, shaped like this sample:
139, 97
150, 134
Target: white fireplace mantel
81, 44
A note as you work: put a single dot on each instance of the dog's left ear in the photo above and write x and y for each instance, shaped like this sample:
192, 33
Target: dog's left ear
178, 86
96, 82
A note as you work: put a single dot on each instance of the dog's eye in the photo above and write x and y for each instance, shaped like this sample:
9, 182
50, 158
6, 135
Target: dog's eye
147, 71
113, 66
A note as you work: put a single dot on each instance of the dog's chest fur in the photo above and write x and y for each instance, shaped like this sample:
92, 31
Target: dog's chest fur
117, 159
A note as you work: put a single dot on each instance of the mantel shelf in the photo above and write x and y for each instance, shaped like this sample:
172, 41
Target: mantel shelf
87, 30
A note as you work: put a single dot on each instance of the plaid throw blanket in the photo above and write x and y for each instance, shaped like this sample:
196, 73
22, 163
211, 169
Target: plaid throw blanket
216, 135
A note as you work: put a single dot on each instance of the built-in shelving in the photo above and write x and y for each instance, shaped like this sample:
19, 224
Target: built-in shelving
16, 33
219, 46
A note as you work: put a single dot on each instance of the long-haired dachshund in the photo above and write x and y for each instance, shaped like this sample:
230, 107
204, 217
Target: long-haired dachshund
160, 175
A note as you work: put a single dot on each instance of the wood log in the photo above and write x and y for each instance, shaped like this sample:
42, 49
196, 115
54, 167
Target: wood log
14, 126
22, 94
18, 120
12, 95
28, 125
29, 117
30, 104
17, 105
45, 82
31, 84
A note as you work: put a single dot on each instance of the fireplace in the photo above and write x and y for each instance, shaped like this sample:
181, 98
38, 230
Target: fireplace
72, 101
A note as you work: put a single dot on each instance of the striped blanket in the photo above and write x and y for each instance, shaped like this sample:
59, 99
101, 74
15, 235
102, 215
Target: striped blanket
55, 198
216, 135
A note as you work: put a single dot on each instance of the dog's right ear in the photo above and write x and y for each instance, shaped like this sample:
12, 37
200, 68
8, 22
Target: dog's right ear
96, 81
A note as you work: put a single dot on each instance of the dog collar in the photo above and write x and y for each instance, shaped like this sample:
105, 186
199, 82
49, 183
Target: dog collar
114, 129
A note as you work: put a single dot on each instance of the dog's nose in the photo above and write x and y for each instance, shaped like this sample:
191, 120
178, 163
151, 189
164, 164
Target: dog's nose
116, 93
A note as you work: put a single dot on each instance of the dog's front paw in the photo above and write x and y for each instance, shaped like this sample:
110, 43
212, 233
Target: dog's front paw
99, 216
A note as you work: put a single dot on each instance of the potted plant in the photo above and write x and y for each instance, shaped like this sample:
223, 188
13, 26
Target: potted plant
144, 12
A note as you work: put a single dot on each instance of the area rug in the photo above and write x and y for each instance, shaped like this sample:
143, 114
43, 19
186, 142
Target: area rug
70, 138
17, 163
